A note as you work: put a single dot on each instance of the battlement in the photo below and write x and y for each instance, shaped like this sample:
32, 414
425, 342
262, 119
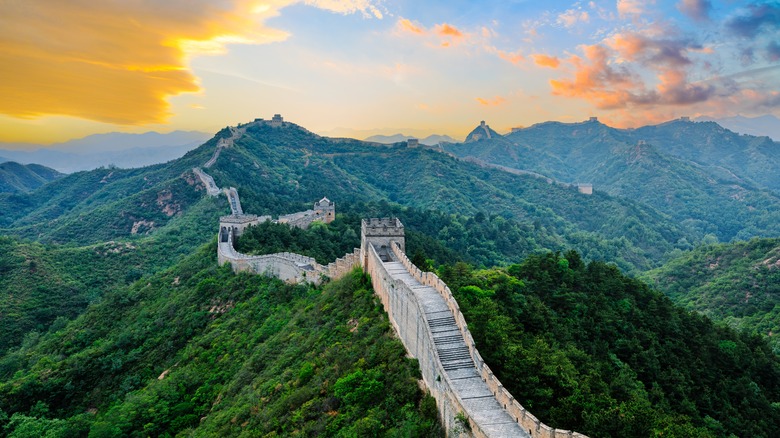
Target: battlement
276, 121
386, 226
381, 233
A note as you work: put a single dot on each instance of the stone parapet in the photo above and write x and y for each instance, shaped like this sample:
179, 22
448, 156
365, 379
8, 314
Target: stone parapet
528, 421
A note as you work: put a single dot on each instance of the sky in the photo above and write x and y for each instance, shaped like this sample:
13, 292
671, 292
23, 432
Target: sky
363, 67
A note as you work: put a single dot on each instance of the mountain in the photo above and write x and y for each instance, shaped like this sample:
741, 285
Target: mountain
738, 283
767, 125
123, 324
202, 351
112, 149
281, 169
431, 140
589, 349
15, 177
482, 131
708, 179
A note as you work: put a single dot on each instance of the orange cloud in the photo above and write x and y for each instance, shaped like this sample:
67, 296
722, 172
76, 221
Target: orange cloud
445, 29
597, 81
546, 61
407, 25
496, 101
119, 61
513, 57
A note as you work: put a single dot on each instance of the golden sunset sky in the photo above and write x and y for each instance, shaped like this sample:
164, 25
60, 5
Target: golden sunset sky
360, 67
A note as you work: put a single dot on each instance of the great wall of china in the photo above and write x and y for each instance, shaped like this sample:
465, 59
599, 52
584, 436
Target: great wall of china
420, 307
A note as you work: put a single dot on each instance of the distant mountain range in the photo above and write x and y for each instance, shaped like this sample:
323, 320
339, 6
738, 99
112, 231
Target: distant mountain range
706, 177
112, 149
15, 177
431, 140
766, 125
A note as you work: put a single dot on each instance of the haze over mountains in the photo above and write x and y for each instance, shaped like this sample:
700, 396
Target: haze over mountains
766, 125
431, 140
117, 149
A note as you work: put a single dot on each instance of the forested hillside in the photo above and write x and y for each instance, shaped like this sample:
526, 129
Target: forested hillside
710, 180
589, 349
201, 351
121, 323
15, 177
738, 283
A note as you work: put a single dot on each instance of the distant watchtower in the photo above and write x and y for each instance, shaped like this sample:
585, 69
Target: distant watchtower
276, 121
380, 233
325, 209
593, 119
412, 142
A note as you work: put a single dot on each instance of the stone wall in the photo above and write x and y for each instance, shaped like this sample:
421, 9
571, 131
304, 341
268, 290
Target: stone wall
528, 421
407, 317
208, 181
344, 265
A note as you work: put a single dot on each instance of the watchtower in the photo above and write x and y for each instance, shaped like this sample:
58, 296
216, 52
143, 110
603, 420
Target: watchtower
325, 209
381, 233
276, 121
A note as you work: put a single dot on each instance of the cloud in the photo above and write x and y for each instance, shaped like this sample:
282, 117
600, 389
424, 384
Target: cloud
773, 51
609, 75
572, 17
496, 101
448, 30
348, 7
406, 25
628, 8
668, 50
546, 61
440, 35
756, 18
119, 61
597, 81
698, 10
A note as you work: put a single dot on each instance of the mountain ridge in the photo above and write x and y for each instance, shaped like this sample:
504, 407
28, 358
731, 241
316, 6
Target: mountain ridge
15, 177
110, 149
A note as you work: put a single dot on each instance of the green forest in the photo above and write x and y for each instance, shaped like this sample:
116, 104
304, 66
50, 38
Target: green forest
588, 349
614, 314
199, 351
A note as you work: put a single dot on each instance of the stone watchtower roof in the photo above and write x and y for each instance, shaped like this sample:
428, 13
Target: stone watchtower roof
324, 201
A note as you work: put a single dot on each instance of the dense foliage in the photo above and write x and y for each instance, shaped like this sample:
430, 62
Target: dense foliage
737, 282
113, 332
15, 177
586, 348
324, 242
200, 351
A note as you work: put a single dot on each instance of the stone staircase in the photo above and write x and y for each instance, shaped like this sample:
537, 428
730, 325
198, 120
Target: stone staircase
479, 402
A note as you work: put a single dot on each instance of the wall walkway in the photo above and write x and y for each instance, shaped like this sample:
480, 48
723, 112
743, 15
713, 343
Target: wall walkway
424, 314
